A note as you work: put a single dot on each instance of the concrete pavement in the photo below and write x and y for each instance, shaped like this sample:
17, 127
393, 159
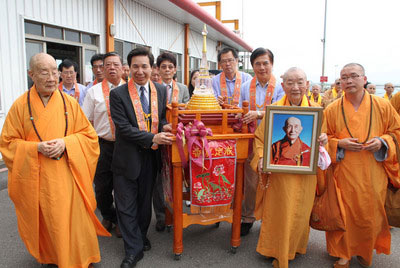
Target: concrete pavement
204, 246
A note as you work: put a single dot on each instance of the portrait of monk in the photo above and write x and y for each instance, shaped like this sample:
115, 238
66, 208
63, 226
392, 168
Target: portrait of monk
291, 150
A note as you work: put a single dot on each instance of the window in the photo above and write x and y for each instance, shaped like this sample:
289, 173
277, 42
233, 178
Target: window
33, 28
53, 32
89, 39
72, 36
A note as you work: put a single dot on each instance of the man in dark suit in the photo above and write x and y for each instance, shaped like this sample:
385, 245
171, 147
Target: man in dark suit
138, 112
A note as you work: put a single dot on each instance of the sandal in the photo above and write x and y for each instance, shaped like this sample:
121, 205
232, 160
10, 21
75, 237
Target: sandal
337, 265
363, 262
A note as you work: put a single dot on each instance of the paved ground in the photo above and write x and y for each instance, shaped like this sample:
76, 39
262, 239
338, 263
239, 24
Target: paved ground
204, 246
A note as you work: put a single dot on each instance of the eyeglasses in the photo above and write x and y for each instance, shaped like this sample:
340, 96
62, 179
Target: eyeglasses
231, 60
352, 76
68, 73
101, 66
109, 64
164, 66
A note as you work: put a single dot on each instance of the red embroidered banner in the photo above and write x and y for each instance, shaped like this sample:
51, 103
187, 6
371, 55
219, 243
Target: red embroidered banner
214, 186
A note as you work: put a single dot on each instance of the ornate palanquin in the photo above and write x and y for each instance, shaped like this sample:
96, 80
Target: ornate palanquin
221, 122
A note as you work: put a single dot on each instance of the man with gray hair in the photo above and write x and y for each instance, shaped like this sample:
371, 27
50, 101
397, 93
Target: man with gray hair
362, 130
284, 201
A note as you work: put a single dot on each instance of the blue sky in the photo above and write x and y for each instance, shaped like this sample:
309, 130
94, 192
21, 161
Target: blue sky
279, 122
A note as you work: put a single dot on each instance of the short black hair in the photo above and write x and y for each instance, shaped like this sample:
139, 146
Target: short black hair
96, 57
168, 56
259, 52
140, 51
112, 53
67, 63
227, 50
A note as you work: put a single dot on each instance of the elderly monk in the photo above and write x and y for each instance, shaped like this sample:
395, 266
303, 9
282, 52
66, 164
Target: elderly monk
371, 88
332, 94
395, 101
284, 201
315, 96
363, 158
291, 150
51, 151
389, 88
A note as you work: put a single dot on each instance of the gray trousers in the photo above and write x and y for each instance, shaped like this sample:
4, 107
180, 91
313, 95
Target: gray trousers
250, 191
158, 198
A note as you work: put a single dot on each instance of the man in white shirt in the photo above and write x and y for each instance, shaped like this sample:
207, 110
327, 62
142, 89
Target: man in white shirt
97, 109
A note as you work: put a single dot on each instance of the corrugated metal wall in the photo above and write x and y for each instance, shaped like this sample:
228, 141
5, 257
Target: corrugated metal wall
87, 16
157, 30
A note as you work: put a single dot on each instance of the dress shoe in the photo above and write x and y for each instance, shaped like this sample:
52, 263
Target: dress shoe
131, 260
117, 231
107, 224
160, 226
362, 262
245, 228
146, 244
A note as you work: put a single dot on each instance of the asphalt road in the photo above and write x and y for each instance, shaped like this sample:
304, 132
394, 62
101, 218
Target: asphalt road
204, 246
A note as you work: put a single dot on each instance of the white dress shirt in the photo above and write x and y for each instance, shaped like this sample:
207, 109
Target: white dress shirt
95, 109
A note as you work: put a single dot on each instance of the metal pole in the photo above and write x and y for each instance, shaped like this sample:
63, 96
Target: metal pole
323, 45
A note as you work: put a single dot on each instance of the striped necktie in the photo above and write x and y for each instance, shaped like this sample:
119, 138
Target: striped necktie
143, 100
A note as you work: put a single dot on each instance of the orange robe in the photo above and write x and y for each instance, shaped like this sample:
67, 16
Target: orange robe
284, 207
54, 199
361, 179
395, 101
283, 153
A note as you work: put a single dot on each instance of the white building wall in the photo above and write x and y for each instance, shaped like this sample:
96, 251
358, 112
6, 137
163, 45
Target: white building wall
83, 15
157, 30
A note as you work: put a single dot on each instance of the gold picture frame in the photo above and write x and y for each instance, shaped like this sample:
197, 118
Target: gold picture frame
291, 139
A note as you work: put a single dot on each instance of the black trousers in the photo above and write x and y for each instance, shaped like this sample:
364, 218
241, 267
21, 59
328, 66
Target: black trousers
103, 181
133, 202
158, 198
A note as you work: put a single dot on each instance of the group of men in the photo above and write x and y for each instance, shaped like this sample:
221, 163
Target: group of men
55, 150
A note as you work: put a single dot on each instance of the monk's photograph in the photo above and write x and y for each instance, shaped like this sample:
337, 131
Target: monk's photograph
291, 140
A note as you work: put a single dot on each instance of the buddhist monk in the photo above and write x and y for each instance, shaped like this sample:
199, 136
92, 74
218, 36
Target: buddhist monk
51, 151
389, 88
332, 94
291, 150
284, 201
395, 101
316, 94
363, 158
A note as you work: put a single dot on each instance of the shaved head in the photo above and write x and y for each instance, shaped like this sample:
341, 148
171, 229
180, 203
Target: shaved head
39, 58
291, 70
292, 128
44, 73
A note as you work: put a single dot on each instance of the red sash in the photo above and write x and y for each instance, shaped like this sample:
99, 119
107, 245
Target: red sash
141, 117
76, 89
94, 82
268, 95
236, 92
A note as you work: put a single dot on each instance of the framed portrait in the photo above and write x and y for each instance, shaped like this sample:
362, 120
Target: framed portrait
291, 139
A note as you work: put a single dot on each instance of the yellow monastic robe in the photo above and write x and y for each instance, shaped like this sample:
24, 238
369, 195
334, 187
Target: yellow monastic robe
395, 101
361, 179
319, 100
284, 207
54, 199
386, 97
330, 95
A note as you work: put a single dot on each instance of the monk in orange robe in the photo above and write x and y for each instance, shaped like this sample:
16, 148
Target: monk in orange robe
51, 151
395, 101
291, 150
363, 158
284, 201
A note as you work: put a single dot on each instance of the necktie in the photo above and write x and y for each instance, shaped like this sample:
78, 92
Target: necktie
143, 100
169, 93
